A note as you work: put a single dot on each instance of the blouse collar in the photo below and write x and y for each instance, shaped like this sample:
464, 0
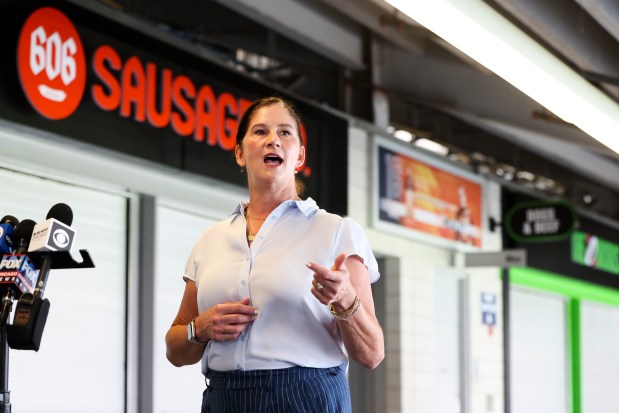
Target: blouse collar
306, 206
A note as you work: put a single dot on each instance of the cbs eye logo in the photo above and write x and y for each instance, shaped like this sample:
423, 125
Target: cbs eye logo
61, 238
51, 63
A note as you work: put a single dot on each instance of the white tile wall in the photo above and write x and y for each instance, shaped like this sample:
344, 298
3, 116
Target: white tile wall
410, 329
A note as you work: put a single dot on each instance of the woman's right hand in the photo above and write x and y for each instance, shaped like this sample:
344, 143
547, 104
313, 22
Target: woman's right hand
222, 322
225, 322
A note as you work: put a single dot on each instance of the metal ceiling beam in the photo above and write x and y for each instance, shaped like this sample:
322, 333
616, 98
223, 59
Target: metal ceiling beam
309, 24
573, 33
448, 83
394, 27
606, 12
568, 154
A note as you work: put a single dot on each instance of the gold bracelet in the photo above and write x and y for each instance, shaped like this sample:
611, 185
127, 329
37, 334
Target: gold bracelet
348, 313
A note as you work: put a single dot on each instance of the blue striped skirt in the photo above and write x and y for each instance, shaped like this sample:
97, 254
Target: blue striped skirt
290, 390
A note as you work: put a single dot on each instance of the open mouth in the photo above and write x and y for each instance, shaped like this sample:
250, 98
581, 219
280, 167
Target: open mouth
273, 159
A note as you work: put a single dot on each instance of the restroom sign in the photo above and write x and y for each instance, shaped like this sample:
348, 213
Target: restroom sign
488, 310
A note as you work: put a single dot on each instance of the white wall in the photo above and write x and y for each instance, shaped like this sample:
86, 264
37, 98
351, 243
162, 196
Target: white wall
82, 349
600, 357
410, 340
485, 350
176, 390
539, 366
485, 347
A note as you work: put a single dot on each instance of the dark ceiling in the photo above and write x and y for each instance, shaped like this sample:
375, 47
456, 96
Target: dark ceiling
435, 92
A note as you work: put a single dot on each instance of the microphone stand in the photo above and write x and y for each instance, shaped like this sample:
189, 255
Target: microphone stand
46, 261
5, 401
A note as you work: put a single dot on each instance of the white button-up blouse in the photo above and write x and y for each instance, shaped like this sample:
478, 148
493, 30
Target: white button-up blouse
293, 327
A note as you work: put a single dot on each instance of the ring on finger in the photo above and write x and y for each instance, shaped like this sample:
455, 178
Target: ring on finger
319, 287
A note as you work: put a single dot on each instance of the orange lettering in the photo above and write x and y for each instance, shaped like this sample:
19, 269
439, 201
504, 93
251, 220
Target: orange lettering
226, 125
243, 105
106, 97
183, 122
158, 119
205, 115
133, 89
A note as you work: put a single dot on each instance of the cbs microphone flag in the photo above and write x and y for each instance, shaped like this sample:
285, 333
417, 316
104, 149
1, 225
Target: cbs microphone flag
51, 235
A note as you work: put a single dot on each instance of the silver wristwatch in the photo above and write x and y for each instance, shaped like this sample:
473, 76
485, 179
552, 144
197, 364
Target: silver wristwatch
191, 334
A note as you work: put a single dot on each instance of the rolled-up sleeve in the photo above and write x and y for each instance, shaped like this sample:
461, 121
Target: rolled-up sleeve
190, 265
352, 240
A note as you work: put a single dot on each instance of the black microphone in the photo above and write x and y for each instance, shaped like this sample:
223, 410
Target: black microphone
55, 233
22, 235
61, 212
32, 309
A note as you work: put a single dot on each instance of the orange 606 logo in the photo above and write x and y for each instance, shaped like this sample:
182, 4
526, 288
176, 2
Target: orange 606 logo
51, 63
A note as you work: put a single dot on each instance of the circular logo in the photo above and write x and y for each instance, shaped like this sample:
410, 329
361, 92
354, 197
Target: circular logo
61, 238
51, 63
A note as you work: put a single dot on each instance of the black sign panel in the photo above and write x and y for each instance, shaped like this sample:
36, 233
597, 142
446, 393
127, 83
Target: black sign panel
563, 256
539, 221
145, 97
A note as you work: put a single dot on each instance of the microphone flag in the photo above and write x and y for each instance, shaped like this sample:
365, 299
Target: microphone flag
51, 235
18, 273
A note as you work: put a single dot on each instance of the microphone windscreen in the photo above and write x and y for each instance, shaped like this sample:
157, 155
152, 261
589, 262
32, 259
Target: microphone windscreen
23, 231
9, 219
61, 212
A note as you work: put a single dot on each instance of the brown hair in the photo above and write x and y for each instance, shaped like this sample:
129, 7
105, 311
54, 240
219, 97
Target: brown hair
261, 103
264, 102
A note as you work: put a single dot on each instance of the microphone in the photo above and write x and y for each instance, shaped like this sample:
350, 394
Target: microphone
17, 272
7, 228
55, 233
61, 212
22, 235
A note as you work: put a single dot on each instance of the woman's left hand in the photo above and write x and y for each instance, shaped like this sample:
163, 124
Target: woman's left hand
347, 279
333, 286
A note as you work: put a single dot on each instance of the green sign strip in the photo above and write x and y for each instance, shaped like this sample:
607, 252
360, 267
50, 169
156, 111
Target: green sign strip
573, 337
569, 287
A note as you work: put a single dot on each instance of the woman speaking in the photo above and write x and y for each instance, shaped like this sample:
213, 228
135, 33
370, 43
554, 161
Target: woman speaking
277, 296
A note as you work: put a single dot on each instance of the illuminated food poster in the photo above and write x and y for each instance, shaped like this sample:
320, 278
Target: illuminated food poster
424, 197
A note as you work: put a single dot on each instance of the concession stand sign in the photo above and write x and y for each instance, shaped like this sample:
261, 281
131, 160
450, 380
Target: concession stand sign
561, 240
540, 221
419, 196
595, 252
94, 79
